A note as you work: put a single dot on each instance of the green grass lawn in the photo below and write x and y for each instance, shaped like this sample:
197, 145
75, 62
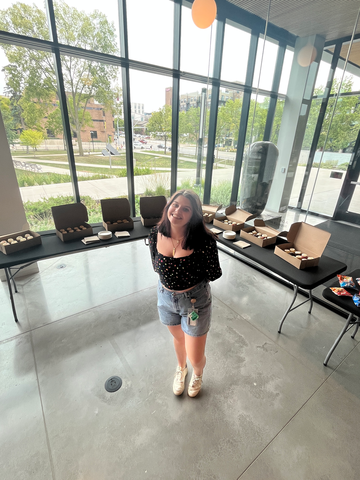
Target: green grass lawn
142, 160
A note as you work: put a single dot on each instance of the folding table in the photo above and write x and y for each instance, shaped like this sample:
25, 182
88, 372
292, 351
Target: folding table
347, 304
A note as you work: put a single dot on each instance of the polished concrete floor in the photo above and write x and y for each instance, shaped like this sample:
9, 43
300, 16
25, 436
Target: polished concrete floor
268, 409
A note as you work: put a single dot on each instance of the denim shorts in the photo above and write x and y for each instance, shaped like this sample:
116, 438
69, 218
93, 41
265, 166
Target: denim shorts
173, 308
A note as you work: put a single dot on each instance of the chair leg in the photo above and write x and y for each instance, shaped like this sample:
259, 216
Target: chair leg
342, 333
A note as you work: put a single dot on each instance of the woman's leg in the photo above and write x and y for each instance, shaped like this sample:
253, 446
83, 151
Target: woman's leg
179, 344
195, 349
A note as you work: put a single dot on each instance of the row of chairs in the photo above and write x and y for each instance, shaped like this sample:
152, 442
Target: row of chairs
32, 167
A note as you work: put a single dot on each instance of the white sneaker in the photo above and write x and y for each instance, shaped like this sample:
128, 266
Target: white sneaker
195, 385
179, 380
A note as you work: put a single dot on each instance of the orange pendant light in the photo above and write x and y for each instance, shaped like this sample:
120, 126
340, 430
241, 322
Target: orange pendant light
203, 12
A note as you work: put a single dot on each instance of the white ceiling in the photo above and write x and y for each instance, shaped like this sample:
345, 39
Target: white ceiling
331, 19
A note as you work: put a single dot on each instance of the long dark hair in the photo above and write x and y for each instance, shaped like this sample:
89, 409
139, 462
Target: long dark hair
196, 230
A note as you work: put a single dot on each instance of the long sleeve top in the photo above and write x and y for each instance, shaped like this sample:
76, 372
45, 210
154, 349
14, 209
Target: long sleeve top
185, 272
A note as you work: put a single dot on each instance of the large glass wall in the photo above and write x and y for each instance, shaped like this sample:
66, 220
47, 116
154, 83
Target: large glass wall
93, 91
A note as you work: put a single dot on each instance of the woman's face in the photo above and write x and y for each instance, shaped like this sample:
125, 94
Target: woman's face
180, 212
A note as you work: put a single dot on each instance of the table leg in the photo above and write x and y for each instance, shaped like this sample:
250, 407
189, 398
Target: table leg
7, 273
311, 301
289, 308
342, 333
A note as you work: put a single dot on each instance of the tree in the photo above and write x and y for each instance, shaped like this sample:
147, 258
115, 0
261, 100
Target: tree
160, 123
229, 120
31, 138
31, 75
8, 119
54, 123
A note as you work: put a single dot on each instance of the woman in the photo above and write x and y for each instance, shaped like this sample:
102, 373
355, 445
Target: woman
184, 254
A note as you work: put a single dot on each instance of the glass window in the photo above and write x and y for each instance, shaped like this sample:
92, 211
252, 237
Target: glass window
26, 17
227, 131
285, 73
150, 33
265, 64
152, 147
89, 26
323, 73
257, 118
234, 60
277, 120
304, 155
193, 130
94, 102
34, 130
197, 45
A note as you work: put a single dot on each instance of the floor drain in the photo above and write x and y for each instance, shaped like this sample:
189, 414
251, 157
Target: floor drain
112, 384
62, 265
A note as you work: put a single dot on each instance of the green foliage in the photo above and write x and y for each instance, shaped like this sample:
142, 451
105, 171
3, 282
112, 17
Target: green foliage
30, 75
54, 122
221, 193
160, 123
344, 123
9, 120
31, 138
26, 178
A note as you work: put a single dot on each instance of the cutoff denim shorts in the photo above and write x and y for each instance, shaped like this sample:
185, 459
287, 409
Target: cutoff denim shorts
173, 308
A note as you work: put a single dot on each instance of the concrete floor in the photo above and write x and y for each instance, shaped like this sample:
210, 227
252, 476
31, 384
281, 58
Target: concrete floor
268, 409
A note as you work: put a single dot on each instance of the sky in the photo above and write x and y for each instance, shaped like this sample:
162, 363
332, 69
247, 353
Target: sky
148, 34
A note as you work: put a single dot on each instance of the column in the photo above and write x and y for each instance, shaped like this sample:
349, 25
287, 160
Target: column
12, 213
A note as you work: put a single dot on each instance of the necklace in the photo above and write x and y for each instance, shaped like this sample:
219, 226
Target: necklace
175, 246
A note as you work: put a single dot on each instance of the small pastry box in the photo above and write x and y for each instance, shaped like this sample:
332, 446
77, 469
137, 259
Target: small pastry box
236, 216
20, 245
307, 240
116, 214
68, 218
151, 209
209, 212
260, 227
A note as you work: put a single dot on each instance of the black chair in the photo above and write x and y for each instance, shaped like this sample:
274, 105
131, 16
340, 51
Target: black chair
347, 304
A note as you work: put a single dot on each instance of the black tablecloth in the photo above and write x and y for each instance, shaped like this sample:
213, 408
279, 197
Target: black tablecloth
52, 246
308, 278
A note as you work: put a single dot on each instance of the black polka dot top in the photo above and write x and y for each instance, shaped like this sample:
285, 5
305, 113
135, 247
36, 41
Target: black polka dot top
185, 272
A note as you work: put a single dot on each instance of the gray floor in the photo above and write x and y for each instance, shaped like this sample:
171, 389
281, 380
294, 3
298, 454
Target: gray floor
269, 409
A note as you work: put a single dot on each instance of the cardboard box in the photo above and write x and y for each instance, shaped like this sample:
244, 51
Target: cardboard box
306, 239
210, 210
151, 209
114, 209
235, 215
70, 216
9, 249
260, 227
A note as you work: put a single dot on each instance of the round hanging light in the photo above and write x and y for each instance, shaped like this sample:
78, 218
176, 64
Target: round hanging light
203, 12
306, 55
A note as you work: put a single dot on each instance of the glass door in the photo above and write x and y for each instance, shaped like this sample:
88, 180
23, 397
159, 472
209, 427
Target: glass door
348, 205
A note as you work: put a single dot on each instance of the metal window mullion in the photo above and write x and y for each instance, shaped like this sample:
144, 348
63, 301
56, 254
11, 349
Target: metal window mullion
66, 123
244, 117
219, 43
319, 123
63, 100
125, 75
275, 87
49, 5
175, 96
